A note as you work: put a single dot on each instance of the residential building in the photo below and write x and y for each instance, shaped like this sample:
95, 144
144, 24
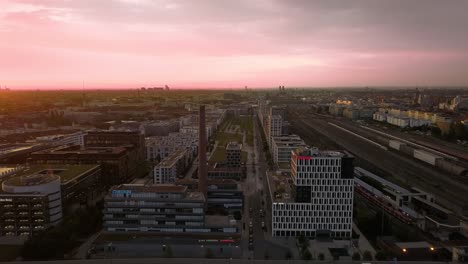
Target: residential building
158, 148
233, 154
170, 167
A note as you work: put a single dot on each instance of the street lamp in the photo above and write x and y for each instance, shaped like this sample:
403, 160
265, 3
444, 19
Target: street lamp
404, 250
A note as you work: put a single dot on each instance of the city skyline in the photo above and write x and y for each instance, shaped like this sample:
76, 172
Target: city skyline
224, 44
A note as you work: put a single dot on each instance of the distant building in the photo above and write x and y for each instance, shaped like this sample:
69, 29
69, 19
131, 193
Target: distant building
76, 138
158, 148
107, 138
160, 128
322, 200
30, 204
18, 153
117, 164
282, 147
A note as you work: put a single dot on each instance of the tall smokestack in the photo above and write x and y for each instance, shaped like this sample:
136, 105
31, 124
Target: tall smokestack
202, 171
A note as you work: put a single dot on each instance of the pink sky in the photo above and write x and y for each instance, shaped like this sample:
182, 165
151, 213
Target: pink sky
228, 44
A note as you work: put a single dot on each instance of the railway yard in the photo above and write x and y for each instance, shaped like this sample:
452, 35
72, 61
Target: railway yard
371, 151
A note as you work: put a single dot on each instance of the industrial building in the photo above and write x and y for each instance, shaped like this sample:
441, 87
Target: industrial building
321, 200
30, 204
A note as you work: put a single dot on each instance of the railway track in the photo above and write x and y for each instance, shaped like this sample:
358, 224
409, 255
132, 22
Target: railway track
448, 191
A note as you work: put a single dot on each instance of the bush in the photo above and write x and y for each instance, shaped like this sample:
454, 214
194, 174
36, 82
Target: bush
367, 255
356, 256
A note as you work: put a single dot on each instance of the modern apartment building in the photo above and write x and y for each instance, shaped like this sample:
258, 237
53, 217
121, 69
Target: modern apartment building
158, 148
233, 154
321, 199
170, 167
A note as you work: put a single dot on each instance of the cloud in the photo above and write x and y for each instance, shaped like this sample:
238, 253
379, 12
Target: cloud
328, 36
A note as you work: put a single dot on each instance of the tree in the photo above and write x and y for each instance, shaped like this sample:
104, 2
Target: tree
321, 256
367, 255
209, 253
356, 256
380, 255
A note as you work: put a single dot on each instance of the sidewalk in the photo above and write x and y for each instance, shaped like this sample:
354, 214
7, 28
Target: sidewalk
364, 244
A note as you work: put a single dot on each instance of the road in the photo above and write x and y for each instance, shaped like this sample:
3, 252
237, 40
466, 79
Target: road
406, 170
255, 195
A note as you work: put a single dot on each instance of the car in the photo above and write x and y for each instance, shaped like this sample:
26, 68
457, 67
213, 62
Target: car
250, 224
262, 214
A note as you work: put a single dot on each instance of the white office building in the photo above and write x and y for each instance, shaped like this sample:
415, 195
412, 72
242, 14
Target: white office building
321, 203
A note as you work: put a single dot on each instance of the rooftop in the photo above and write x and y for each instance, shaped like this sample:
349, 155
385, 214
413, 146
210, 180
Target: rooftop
170, 160
315, 152
31, 180
86, 151
217, 220
157, 188
66, 172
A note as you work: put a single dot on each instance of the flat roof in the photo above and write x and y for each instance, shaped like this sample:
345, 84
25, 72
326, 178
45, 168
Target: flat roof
66, 172
217, 220
315, 152
363, 172
162, 188
88, 150
170, 160
31, 180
